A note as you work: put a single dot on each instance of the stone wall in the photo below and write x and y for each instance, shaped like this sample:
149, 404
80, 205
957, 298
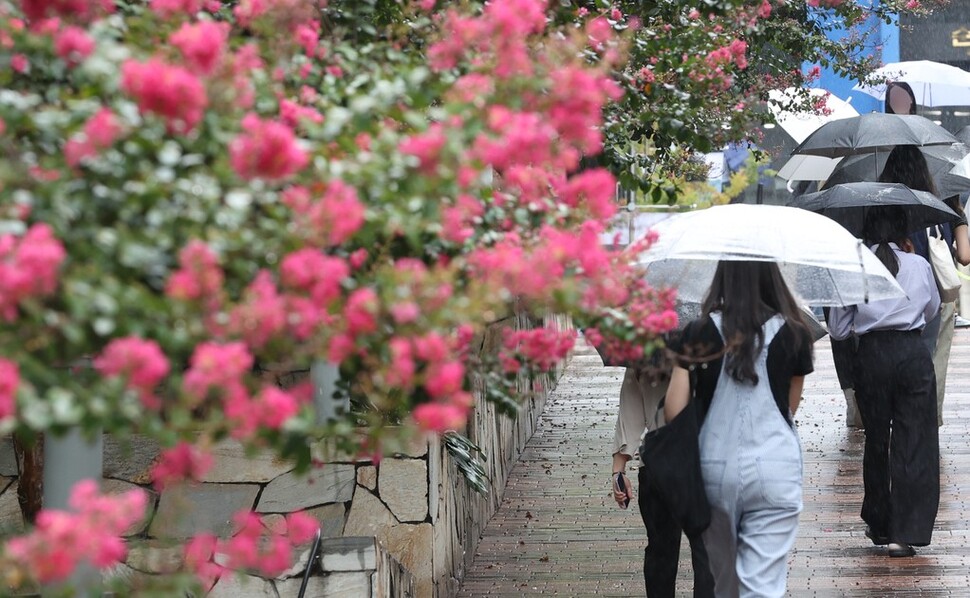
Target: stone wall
416, 505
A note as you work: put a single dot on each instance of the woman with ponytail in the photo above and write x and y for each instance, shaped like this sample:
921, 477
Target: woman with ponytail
744, 362
896, 391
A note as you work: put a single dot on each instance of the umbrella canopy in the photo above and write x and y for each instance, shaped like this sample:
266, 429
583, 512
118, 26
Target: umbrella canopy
848, 204
933, 83
822, 262
800, 125
963, 135
808, 168
944, 161
873, 132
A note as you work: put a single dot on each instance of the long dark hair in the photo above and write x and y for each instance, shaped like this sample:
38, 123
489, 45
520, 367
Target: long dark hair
906, 164
747, 294
887, 108
885, 225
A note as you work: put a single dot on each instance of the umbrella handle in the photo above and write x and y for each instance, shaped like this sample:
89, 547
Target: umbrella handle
865, 280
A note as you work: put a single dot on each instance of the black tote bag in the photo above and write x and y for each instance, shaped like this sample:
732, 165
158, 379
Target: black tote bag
672, 459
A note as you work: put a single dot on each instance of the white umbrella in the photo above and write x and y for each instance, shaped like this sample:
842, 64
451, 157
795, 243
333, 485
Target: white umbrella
808, 168
821, 261
801, 124
933, 83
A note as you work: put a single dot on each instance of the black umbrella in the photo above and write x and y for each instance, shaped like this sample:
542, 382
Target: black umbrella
848, 204
873, 132
939, 158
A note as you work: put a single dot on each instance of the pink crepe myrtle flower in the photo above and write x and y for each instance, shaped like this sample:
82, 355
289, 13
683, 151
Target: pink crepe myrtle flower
444, 379
141, 362
595, 189
216, 366
202, 44
168, 8
199, 556
266, 150
172, 92
401, 371
29, 267
439, 417
331, 219
82, 10
19, 63
361, 310
312, 271
180, 463
91, 532
99, 133
198, 276
73, 45
426, 147
9, 383
262, 313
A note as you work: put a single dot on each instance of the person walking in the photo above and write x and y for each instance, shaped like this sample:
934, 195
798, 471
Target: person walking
744, 361
907, 165
896, 390
641, 396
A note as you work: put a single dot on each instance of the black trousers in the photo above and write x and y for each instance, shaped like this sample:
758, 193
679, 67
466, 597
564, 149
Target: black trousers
895, 387
662, 553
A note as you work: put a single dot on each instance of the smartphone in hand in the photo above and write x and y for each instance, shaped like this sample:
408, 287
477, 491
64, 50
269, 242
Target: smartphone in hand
621, 484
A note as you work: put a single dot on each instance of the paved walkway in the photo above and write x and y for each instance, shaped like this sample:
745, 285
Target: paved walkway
558, 531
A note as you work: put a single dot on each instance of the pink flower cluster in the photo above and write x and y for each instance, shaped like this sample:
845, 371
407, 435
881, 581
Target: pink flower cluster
736, 51
542, 348
262, 313
80, 10
576, 106
426, 147
168, 8
141, 362
28, 267
501, 31
202, 44
535, 270
73, 45
9, 383
595, 189
198, 277
179, 463
257, 545
329, 220
91, 533
458, 222
216, 367
266, 150
99, 133
170, 91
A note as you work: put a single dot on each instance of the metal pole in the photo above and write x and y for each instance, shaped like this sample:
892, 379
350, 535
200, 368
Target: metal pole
324, 376
69, 459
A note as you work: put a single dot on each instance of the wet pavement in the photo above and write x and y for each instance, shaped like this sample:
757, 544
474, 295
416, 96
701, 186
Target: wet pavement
558, 531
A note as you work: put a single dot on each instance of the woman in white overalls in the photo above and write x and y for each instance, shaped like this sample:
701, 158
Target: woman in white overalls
744, 361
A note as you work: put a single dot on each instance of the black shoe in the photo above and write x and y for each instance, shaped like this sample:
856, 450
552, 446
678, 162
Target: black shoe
901, 550
876, 540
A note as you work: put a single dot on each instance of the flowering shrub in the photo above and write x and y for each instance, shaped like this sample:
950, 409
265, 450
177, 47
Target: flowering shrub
91, 532
698, 74
194, 189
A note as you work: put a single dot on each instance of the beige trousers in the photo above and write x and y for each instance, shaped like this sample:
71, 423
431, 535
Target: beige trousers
941, 356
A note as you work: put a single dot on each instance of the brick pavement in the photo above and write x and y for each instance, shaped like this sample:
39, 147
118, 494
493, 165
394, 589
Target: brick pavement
558, 531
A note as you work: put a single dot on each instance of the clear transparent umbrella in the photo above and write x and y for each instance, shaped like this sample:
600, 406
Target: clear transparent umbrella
821, 261
933, 83
848, 204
